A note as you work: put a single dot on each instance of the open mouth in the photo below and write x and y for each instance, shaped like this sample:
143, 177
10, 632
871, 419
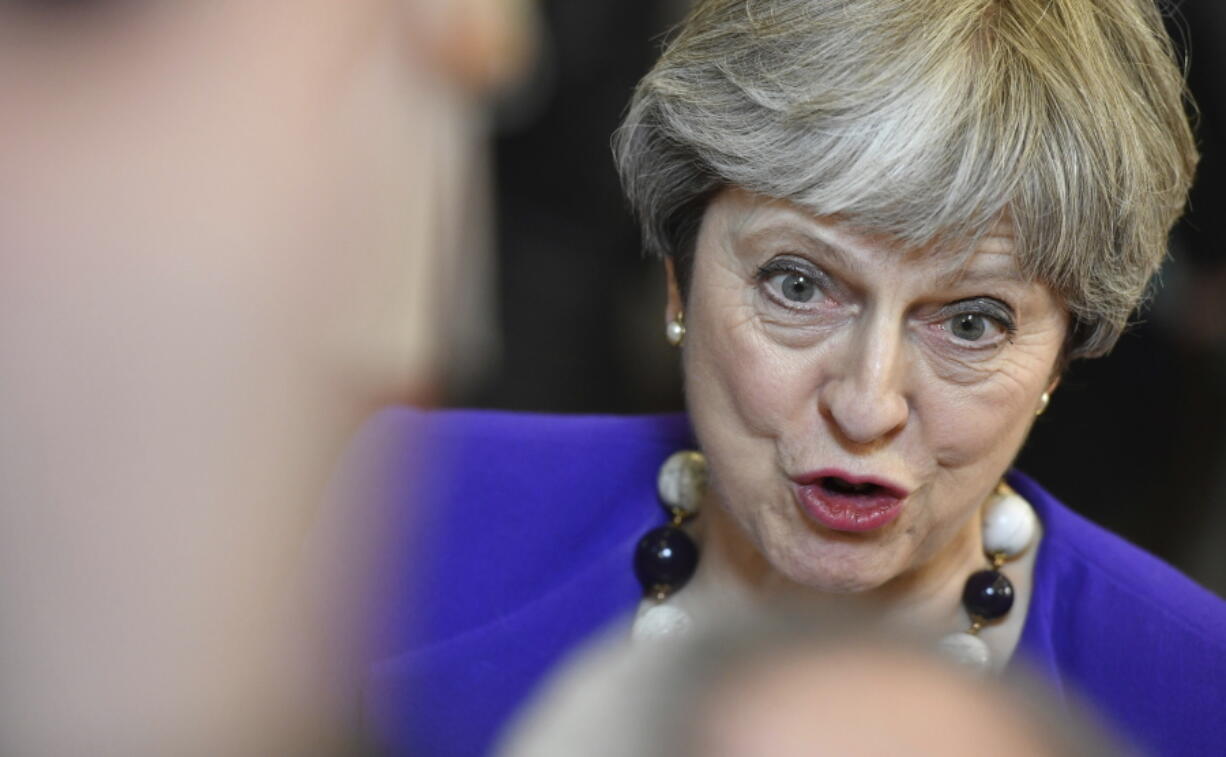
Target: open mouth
844, 502
836, 485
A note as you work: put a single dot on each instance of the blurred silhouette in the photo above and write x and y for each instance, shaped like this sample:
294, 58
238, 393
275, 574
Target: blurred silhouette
786, 682
228, 232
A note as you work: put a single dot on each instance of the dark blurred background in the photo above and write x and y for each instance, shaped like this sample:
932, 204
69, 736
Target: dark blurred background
1135, 441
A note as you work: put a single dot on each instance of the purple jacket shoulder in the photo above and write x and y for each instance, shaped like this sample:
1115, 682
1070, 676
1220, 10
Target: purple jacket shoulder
519, 546
1144, 644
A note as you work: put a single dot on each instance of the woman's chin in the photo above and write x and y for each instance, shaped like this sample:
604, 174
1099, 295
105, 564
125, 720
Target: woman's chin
832, 573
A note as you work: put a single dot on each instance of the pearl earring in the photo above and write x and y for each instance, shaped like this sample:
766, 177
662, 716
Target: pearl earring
674, 331
1043, 402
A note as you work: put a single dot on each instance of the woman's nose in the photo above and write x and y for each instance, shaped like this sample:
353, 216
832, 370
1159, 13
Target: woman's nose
862, 394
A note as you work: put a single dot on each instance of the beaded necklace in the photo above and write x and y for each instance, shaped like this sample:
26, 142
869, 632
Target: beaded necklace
666, 558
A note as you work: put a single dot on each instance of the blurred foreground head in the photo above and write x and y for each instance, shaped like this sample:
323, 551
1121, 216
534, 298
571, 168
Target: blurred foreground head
195, 179
775, 691
789, 681
227, 231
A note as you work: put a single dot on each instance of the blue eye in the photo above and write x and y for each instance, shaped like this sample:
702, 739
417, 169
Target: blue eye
978, 321
791, 282
981, 321
968, 326
795, 286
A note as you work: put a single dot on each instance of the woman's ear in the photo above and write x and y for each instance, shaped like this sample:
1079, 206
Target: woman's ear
480, 45
673, 307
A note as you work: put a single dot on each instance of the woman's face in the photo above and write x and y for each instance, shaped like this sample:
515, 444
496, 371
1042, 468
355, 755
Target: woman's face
857, 401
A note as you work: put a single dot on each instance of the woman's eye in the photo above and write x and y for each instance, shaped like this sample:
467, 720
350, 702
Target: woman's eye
973, 327
968, 326
979, 321
794, 286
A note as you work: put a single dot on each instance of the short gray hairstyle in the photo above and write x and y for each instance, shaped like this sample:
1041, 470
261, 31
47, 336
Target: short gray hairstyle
929, 120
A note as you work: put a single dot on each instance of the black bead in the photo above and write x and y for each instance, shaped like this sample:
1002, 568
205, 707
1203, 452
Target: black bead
988, 595
665, 558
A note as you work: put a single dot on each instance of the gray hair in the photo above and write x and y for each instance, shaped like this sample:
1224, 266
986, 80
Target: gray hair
929, 120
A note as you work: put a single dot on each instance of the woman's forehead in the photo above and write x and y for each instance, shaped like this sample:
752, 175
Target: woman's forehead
745, 215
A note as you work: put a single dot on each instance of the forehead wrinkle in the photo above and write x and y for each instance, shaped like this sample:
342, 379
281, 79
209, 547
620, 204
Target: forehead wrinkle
762, 219
991, 261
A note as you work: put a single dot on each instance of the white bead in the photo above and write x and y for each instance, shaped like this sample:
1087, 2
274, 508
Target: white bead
683, 480
965, 649
661, 621
1009, 525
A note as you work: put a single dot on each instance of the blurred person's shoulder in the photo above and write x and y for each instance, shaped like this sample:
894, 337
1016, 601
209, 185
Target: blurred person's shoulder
1115, 624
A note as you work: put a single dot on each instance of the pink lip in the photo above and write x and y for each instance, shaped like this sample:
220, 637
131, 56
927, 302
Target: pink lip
840, 511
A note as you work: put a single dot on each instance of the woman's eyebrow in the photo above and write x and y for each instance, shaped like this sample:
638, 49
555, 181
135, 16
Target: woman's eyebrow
994, 274
806, 241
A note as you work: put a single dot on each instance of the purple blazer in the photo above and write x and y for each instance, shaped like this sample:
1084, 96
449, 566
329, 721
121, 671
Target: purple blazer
514, 542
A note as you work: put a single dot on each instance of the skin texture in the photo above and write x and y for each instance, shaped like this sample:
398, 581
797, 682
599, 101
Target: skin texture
227, 230
866, 376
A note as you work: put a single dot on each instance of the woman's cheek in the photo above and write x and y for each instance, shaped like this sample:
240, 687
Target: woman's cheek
977, 426
981, 409
761, 379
